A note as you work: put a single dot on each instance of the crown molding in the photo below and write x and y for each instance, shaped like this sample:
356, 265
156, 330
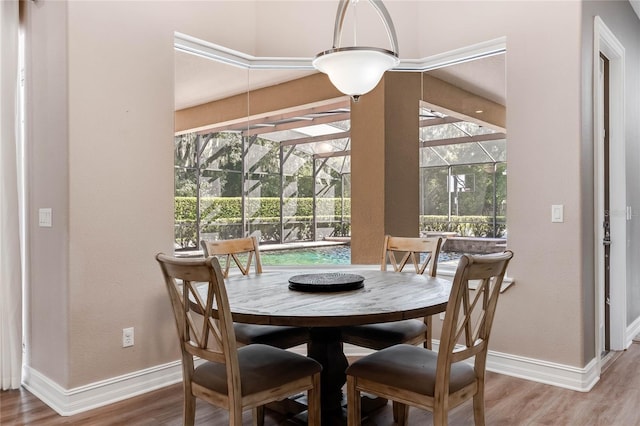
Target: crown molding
195, 46
635, 4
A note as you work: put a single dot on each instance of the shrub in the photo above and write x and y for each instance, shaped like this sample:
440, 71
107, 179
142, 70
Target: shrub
223, 216
466, 226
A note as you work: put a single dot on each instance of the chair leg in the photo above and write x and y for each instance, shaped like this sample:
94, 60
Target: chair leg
313, 399
257, 415
189, 409
235, 416
353, 403
439, 416
429, 334
478, 406
400, 413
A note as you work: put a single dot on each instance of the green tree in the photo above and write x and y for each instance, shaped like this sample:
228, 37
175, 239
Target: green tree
185, 165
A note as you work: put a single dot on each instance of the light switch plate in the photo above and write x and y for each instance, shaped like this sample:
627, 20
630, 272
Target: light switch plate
44, 218
557, 213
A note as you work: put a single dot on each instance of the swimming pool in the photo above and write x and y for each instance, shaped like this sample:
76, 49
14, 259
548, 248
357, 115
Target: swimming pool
327, 255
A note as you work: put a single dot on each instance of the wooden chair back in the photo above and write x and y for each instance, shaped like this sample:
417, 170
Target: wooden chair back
205, 329
438, 382
411, 248
234, 251
200, 333
469, 316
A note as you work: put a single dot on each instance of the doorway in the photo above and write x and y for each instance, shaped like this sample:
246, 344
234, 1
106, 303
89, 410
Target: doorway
603, 138
611, 213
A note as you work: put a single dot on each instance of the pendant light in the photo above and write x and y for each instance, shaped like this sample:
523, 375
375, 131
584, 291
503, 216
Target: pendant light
357, 70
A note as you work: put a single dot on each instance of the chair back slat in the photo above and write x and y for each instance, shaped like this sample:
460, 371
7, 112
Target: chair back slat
205, 326
206, 354
234, 252
411, 249
470, 312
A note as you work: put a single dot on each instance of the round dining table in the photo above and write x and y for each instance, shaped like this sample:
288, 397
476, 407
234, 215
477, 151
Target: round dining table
384, 297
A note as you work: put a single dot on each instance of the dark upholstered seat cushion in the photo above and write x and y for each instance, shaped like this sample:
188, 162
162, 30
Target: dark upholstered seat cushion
261, 367
383, 335
409, 367
272, 335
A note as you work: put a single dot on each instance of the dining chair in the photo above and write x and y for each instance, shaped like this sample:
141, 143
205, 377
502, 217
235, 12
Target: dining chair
241, 252
413, 331
230, 377
439, 381
233, 251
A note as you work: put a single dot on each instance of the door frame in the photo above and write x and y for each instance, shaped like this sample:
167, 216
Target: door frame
606, 43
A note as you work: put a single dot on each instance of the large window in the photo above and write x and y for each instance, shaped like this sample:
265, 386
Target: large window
463, 177
262, 188
284, 181
289, 179
294, 184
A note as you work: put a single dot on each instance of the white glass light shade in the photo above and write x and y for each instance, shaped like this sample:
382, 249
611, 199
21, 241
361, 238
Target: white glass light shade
355, 70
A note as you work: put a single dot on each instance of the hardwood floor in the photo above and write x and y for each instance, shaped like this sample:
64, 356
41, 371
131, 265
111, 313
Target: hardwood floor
509, 401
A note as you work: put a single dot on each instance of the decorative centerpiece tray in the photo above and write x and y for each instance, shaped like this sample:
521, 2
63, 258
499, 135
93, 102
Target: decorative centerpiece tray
326, 281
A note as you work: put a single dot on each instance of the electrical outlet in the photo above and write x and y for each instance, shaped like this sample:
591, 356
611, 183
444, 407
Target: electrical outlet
441, 316
127, 337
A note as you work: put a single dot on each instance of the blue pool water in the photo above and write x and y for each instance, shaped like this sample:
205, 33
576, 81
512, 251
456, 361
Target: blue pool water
331, 255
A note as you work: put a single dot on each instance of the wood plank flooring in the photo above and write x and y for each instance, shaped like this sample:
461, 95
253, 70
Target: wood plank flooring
509, 401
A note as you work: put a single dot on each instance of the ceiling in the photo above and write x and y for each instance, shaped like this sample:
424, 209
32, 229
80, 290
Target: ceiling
483, 77
199, 80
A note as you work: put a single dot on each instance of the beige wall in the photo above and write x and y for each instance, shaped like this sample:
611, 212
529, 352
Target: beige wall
100, 154
541, 316
47, 152
120, 202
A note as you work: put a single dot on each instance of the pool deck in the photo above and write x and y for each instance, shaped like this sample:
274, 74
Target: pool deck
300, 244
273, 247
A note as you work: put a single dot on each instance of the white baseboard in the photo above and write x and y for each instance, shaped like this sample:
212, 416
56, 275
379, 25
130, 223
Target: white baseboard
564, 376
67, 402
551, 373
631, 332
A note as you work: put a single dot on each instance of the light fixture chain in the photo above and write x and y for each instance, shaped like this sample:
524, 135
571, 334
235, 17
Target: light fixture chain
383, 13
355, 22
